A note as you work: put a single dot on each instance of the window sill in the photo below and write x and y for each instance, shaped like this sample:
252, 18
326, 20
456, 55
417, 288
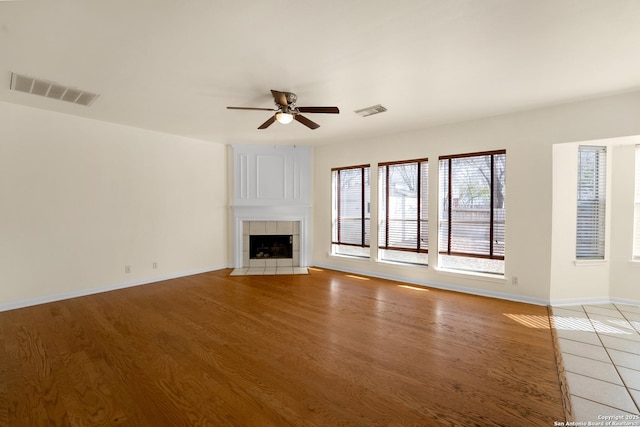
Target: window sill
590, 262
486, 277
402, 264
354, 257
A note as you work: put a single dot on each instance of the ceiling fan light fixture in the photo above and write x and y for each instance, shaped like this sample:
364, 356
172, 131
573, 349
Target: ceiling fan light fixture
284, 118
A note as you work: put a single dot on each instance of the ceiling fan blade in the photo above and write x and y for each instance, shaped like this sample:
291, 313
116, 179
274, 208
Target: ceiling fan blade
251, 108
280, 97
268, 123
328, 110
308, 123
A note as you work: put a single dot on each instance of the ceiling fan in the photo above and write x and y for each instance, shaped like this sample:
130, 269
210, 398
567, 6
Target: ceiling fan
287, 110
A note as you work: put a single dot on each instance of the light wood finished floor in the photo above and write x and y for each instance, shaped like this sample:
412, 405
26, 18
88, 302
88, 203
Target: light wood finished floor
324, 349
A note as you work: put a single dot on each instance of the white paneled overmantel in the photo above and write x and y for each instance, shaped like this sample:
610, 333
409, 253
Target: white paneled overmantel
272, 183
271, 175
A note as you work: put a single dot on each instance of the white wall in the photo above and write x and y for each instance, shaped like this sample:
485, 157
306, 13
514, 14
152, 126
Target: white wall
80, 199
625, 273
586, 280
528, 138
616, 277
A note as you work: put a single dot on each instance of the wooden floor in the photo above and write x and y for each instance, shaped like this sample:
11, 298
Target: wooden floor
324, 349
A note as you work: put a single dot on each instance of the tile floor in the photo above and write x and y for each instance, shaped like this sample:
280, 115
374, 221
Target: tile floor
600, 350
262, 271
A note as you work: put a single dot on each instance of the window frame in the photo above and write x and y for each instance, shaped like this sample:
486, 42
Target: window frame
336, 222
491, 240
635, 255
595, 246
422, 230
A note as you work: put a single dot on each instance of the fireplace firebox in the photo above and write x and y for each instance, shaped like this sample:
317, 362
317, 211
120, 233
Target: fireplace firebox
270, 246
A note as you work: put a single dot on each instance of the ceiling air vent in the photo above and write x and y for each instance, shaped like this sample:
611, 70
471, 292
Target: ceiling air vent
52, 90
370, 111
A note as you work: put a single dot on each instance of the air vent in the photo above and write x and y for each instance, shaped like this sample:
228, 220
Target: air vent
52, 90
370, 111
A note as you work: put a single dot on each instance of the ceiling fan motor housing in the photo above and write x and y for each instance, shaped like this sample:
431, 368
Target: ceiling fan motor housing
290, 107
291, 98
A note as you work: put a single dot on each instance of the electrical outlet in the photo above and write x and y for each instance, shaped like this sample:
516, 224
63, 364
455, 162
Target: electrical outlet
127, 269
155, 265
514, 280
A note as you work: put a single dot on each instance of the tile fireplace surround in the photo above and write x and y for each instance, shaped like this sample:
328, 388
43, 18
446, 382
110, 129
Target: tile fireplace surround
283, 220
270, 266
277, 228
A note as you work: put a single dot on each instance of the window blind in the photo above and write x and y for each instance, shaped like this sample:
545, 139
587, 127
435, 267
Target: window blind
472, 201
404, 196
590, 236
351, 225
636, 223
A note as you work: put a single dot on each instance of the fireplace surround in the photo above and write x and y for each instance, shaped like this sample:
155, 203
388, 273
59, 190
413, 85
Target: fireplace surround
285, 235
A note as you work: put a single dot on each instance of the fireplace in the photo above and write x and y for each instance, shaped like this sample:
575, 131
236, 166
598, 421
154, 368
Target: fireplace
270, 243
270, 246
271, 197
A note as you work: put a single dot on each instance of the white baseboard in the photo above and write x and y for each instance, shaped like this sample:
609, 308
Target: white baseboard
592, 301
625, 301
445, 286
564, 302
438, 285
13, 305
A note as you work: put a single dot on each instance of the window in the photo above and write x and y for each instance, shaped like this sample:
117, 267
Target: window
590, 236
404, 199
472, 211
351, 210
636, 228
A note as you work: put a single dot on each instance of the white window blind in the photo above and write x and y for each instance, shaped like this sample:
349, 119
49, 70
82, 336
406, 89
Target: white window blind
636, 227
351, 200
472, 200
592, 171
404, 197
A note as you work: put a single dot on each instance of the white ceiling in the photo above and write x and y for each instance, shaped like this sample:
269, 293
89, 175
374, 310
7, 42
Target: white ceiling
173, 66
